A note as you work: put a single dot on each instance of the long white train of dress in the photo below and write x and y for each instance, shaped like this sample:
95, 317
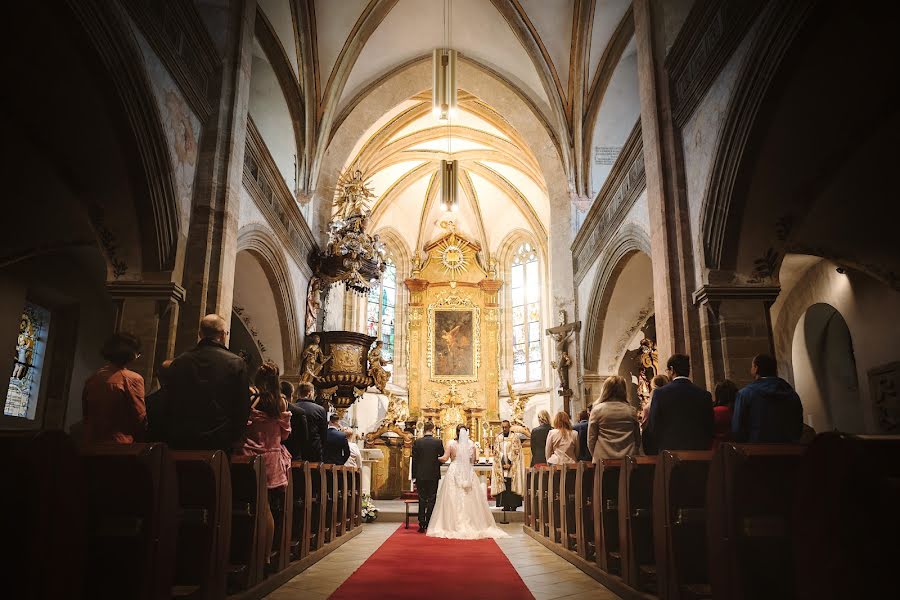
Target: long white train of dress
461, 510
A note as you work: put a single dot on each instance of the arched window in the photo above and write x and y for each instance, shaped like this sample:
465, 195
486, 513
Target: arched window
380, 311
525, 293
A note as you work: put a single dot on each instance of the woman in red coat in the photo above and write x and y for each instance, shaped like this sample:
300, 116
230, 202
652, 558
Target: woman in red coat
723, 409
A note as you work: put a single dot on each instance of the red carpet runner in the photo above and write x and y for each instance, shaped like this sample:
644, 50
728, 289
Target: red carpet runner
410, 565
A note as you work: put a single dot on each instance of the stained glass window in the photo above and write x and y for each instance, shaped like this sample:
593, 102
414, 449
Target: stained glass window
525, 293
380, 308
25, 381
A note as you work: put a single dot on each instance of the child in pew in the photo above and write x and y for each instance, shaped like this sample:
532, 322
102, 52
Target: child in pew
268, 426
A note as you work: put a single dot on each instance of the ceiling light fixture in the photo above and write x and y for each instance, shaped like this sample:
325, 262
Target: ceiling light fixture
443, 105
449, 199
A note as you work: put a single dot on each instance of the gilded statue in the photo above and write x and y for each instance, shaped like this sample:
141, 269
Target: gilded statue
397, 412
353, 196
377, 362
313, 304
517, 403
312, 361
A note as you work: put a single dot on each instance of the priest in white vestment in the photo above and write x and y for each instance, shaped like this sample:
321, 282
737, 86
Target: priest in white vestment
508, 481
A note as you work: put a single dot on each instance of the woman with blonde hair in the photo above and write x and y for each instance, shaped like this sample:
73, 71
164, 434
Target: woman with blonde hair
562, 442
613, 429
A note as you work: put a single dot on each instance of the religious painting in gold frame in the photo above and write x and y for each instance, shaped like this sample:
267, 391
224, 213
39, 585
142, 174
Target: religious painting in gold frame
454, 328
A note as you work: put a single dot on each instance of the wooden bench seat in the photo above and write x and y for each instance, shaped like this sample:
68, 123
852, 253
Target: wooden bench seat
606, 515
636, 523
584, 510
249, 505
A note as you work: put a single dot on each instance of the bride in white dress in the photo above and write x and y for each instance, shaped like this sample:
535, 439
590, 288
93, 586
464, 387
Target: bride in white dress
461, 510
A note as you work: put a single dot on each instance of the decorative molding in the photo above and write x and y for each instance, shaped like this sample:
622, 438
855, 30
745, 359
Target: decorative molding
159, 290
711, 33
707, 294
178, 36
780, 23
271, 194
621, 189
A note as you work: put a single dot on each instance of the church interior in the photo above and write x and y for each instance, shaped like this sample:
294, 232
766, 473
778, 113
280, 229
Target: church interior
500, 217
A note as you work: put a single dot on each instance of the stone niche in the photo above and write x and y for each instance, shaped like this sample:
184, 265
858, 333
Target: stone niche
453, 336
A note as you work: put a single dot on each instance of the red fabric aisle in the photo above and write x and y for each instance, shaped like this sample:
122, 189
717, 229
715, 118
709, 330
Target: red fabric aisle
410, 565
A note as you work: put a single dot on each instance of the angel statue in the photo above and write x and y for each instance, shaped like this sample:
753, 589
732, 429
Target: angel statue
353, 196
517, 403
312, 361
377, 372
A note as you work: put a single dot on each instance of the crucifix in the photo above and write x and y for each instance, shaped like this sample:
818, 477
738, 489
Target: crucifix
563, 333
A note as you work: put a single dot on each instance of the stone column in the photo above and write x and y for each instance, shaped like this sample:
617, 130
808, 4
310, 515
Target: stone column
212, 237
736, 326
148, 309
677, 323
491, 345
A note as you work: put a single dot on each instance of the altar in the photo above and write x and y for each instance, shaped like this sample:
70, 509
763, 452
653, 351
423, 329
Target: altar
483, 470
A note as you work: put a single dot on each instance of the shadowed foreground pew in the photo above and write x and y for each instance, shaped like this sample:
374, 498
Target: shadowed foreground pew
847, 523
280, 503
636, 523
606, 515
679, 524
250, 501
204, 524
584, 510
543, 501
302, 506
43, 487
567, 494
750, 498
132, 500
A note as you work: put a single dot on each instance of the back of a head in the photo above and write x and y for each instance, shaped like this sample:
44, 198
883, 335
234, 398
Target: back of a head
584, 415
614, 389
766, 365
562, 421
428, 427
334, 419
304, 391
680, 365
658, 381
213, 327
287, 390
269, 388
725, 393
543, 417
121, 348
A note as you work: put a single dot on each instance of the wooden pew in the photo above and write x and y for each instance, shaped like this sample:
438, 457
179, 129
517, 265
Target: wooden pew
132, 507
317, 507
250, 500
567, 495
204, 524
341, 497
750, 498
329, 503
281, 505
302, 507
529, 497
544, 501
636, 524
43, 507
554, 504
606, 515
354, 498
584, 510
679, 524
847, 524
357, 510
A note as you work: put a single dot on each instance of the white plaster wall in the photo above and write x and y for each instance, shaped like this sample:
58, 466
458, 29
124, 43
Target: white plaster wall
272, 117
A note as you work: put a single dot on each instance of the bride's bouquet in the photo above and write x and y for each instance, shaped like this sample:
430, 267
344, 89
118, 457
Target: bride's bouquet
369, 512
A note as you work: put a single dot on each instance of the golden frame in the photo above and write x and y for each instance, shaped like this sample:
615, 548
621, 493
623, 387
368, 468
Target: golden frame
454, 302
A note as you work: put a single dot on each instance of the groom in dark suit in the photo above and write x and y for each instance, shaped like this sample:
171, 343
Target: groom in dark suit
426, 472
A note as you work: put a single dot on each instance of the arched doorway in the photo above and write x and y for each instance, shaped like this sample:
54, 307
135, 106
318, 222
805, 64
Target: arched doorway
825, 370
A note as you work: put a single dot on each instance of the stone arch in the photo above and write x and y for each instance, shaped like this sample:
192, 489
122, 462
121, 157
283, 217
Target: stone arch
629, 241
257, 241
109, 33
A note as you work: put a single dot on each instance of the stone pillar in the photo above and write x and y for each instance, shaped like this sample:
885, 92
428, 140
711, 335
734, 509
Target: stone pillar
491, 344
148, 309
590, 388
736, 326
212, 236
671, 248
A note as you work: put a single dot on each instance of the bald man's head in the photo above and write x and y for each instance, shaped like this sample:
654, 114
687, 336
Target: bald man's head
212, 327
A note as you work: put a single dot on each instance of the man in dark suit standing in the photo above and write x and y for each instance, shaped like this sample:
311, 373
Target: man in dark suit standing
539, 439
582, 428
309, 425
207, 393
681, 414
337, 448
426, 472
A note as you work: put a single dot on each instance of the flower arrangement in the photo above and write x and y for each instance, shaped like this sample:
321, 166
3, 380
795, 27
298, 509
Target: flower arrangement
369, 512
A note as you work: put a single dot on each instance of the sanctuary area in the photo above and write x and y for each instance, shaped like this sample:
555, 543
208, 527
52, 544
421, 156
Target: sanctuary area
450, 299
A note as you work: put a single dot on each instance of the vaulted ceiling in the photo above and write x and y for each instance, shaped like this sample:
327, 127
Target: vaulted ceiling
565, 57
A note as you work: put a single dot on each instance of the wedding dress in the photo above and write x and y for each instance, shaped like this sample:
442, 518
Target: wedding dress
461, 510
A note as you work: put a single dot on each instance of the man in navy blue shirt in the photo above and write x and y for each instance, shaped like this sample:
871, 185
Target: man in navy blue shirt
681, 414
337, 448
582, 428
768, 410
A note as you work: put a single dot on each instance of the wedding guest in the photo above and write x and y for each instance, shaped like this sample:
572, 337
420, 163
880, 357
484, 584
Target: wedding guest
113, 397
336, 450
309, 422
649, 444
268, 426
581, 427
723, 411
768, 410
562, 441
613, 430
355, 459
681, 414
539, 439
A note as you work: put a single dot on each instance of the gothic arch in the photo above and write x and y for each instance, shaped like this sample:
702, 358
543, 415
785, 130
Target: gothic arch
109, 33
266, 250
629, 241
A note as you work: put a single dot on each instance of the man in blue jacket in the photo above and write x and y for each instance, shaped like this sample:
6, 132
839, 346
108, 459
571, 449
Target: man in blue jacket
768, 410
336, 449
681, 414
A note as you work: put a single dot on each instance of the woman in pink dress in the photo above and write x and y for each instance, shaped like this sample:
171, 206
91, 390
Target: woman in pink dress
269, 425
